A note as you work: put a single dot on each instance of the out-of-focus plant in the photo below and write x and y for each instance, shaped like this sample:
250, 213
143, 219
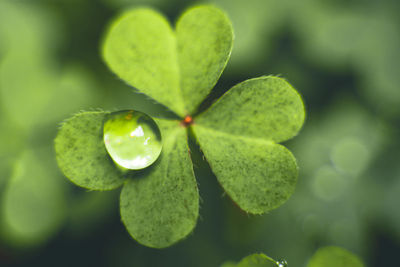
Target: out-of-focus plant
362, 37
35, 93
334, 256
323, 257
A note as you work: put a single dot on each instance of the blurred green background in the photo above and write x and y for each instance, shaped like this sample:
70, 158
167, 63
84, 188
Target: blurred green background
342, 56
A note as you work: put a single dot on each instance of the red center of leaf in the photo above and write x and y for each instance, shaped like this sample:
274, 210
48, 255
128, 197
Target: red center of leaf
187, 121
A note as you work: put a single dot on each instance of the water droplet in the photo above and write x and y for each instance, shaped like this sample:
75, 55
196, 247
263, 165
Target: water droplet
281, 263
132, 139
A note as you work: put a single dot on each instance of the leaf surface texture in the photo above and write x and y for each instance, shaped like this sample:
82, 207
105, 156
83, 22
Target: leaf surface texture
81, 153
161, 207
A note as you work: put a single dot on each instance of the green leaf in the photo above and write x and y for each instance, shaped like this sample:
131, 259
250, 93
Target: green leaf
140, 47
161, 207
257, 260
33, 203
176, 70
81, 153
257, 174
238, 134
334, 256
205, 39
266, 107
228, 264
254, 260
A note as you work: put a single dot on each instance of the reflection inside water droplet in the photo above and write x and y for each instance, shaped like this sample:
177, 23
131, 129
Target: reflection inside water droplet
281, 263
132, 139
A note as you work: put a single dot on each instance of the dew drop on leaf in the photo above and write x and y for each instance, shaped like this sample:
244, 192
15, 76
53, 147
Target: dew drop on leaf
132, 139
281, 263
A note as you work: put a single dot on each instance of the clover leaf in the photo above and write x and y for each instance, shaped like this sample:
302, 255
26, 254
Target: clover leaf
162, 206
81, 153
239, 134
256, 260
